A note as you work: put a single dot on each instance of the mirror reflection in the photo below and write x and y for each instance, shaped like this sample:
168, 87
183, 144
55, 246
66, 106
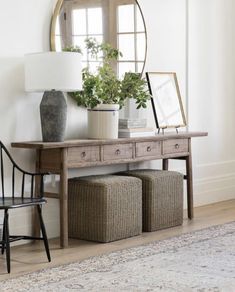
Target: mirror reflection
118, 22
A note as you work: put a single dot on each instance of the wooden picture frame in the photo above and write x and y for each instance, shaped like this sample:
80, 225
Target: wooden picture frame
166, 100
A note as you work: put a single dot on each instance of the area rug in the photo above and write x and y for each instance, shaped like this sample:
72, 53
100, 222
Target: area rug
198, 261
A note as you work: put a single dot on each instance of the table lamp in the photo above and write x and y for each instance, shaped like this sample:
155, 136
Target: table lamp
52, 73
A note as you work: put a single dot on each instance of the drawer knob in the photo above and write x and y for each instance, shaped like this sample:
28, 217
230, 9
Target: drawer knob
118, 152
177, 146
149, 149
83, 154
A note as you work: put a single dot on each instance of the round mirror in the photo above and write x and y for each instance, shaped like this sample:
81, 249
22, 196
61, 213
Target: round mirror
117, 22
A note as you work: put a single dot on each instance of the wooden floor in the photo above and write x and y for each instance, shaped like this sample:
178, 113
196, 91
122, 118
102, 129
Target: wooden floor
32, 257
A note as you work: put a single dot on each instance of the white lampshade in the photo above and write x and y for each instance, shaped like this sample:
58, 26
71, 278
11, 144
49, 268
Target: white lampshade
60, 71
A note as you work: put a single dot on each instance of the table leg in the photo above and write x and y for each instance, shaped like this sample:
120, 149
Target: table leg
64, 200
165, 164
189, 175
35, 225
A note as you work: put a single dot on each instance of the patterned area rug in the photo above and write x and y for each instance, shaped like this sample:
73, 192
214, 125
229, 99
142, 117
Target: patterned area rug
199, 261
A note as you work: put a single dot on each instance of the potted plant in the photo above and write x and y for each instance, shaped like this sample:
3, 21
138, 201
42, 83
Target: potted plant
104, 93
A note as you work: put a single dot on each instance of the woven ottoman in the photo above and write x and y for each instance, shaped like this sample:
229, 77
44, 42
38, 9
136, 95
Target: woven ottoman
104, 208
162, 198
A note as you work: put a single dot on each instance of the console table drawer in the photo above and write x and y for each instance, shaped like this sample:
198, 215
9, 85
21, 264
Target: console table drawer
118, 151
175, 146
83, 154
144, 149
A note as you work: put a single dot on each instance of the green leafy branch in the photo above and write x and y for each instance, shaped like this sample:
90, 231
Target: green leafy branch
104, 86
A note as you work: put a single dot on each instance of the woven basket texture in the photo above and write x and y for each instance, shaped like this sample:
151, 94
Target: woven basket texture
162, 198
104, 208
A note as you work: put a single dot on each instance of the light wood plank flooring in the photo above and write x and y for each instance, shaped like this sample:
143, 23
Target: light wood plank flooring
31, 257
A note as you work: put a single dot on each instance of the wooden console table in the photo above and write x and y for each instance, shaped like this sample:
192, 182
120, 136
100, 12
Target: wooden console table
58, 158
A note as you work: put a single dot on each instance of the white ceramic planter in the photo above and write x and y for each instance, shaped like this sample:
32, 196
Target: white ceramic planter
103, 121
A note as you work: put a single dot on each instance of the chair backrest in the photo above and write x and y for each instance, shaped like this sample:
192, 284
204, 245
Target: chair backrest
5, 153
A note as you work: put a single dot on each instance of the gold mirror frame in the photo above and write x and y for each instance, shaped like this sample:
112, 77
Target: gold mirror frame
56, 13
53, 23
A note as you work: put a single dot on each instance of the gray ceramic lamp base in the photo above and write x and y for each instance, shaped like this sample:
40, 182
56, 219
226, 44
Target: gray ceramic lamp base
53, 112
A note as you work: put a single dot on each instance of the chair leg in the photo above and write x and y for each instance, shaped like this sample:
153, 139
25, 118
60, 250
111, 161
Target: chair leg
3, 237
44, 234
7, 241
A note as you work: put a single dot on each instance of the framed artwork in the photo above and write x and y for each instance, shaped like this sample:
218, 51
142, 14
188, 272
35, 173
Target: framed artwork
166, 100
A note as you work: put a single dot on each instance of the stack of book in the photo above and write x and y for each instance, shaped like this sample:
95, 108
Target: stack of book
130, 128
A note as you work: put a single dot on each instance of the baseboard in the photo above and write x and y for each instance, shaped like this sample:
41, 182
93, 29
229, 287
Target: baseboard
214, 169
214, 189
214, 182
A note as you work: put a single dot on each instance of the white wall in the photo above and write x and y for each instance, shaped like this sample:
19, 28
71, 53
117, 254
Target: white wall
166, 34
212, 97
25, 28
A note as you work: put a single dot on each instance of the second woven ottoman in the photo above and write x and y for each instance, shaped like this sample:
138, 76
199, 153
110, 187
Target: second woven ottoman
162, 198
104, 208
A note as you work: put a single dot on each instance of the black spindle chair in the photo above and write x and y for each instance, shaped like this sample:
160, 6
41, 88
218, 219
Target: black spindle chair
19, 201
